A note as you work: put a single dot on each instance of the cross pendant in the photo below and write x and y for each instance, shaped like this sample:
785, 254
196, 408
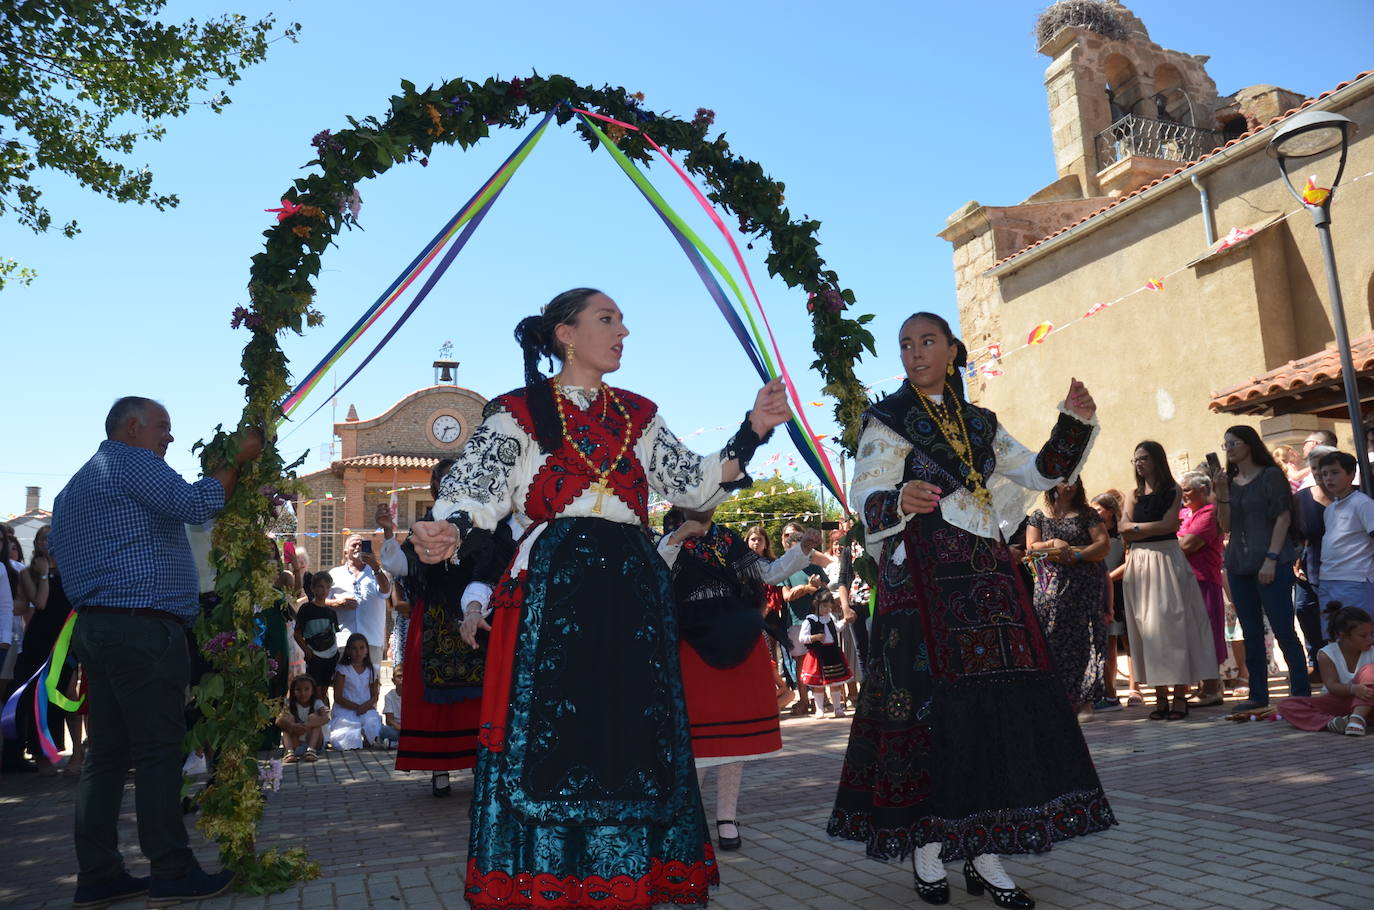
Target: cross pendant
601, 491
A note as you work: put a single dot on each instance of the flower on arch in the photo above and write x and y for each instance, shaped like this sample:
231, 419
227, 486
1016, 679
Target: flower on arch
285, 211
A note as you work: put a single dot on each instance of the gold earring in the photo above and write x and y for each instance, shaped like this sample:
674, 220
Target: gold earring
571, 352
949, 369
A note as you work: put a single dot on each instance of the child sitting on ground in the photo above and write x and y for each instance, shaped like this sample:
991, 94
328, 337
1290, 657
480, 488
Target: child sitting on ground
302, 721
316, 625
1347, 668
824, 666
356, 688
391, 710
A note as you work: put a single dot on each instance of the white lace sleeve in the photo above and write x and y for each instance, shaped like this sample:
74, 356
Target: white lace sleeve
876, 490
677, 473
480, 484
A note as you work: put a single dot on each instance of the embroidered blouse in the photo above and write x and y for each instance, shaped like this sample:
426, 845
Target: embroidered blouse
1014, 481
494, 474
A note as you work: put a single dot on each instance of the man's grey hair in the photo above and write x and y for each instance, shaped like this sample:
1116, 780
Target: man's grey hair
1316, 455
1196, 480
123, 409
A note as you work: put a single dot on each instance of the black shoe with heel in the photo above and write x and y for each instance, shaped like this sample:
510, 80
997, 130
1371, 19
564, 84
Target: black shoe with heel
1002, 897
728, 843
936, 892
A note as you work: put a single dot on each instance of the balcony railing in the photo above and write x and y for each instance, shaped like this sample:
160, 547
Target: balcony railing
1132, 135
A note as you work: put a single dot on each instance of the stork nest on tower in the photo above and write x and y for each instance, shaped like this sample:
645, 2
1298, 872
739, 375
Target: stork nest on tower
1092, 15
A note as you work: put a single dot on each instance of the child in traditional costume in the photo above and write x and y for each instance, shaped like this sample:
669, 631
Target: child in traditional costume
824, 668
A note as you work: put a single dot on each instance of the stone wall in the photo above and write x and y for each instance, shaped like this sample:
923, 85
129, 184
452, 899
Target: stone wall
1154, 360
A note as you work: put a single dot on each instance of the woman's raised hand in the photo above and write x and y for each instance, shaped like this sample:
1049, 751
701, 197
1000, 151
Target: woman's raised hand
770, 408
1079, 401
435, 541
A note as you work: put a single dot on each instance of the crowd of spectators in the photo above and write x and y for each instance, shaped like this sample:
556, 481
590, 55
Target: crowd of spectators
1205, 573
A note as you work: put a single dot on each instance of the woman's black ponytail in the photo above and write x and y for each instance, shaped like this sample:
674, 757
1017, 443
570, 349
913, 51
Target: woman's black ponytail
535, 335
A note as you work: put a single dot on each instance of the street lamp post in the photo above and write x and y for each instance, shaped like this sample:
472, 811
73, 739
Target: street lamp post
1306, 135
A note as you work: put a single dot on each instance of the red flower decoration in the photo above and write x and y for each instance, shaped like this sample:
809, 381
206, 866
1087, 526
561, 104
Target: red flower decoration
288, 208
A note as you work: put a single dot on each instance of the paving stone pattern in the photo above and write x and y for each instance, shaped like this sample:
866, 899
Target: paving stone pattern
1213, 815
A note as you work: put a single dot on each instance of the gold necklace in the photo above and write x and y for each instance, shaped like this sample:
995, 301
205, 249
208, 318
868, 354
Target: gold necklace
956, 434
599, 485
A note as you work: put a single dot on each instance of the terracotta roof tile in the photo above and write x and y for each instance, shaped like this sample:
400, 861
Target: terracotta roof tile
1174, 173
1322, 368
427, 462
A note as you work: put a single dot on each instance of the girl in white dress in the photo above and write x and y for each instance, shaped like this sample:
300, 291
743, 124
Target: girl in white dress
356, 687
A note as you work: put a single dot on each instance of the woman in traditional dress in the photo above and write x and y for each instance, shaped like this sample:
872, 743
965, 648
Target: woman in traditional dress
585, 793
441, 690
963, 745
1071, 590
726, 670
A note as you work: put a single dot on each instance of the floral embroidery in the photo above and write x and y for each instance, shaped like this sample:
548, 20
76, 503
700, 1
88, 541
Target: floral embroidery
1060, 456
677, 467
483, 473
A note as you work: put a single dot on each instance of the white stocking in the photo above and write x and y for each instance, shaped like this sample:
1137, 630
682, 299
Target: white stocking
989, 865
928, 865
728, 780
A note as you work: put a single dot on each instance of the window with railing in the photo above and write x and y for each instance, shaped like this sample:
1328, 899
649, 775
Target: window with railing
1164, 139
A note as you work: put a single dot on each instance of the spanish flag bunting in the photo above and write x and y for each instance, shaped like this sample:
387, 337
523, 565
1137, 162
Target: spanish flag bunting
1154, 284
1037, 335
1095, 309
1313, 194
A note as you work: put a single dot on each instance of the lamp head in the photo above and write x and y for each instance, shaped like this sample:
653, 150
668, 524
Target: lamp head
1310, 133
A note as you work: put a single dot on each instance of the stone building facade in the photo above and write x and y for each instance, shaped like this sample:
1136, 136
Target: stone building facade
395, 450
1151, 179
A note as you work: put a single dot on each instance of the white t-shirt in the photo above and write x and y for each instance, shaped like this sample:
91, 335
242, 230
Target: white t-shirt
1347, 548
302, 713
9, 628
391, 704
369, 617
1345, 675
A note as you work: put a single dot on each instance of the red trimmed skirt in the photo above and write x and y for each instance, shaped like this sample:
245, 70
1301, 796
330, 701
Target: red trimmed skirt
434, 737
824, 666
734, 712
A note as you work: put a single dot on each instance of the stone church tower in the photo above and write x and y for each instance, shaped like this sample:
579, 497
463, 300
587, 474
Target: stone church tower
1123, 113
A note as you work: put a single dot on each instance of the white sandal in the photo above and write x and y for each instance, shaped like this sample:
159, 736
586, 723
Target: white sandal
1355, 725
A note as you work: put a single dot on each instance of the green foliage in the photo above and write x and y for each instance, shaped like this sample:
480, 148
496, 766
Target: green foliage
74, 77
13, 271
324, 202
779, 504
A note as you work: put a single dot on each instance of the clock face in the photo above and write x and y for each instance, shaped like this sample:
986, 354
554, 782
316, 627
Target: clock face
446, 428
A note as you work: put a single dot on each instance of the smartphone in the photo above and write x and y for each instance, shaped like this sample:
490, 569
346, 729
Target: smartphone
1213, 462
830, 526
367, 546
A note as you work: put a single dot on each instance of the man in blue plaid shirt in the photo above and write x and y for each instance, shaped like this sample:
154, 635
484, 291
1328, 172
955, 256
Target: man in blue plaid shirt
119, 531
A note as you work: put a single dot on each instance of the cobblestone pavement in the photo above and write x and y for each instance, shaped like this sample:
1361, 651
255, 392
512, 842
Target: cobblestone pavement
1213, 814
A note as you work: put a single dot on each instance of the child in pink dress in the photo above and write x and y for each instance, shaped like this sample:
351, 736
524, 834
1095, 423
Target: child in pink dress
1347, 668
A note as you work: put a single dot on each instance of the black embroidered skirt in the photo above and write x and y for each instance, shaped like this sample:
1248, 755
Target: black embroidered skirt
963, 736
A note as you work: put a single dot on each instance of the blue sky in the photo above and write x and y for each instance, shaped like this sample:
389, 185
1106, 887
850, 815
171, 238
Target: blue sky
882, 118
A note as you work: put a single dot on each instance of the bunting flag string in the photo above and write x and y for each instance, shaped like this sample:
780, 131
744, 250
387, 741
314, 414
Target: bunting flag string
1156, 284
800, 431
466, 220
